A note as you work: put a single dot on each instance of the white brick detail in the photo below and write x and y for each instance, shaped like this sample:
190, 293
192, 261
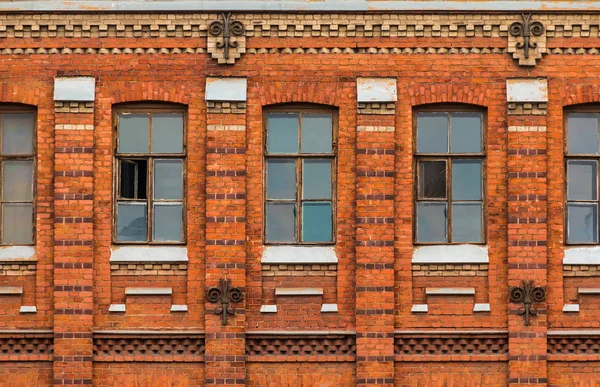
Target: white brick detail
226, 128
73, 127
526, 128
375, 129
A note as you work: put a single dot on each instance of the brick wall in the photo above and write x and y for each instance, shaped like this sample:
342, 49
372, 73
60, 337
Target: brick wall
375, 337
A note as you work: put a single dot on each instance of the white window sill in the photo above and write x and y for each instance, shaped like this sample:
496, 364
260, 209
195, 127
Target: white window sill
17, 254
298, 254
148, 254
582, 256
450, 254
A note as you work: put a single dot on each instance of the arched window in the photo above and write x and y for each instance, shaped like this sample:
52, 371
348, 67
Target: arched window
582, 155
449, 178
150, 153
17, 169
300, 165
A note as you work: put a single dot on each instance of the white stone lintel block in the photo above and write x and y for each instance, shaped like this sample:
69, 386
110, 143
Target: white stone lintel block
299, 291
28, 309
527, 90
148, 254
268, 309
588, 290
179, 308
450, 291
582, 256
11, 290
420, 308
482, 308
329, 308
376, 90
81, 89
148, 291
450, 254
572, 308
226, 89
117, 308
298, 254
17, 253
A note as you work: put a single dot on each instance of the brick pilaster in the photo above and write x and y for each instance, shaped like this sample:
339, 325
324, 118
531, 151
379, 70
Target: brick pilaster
73, 231
375, 234
527, 228
226, 227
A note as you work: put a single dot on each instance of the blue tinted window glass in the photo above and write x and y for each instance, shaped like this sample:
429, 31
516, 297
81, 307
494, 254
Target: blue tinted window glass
432, 222
432, 132
465, 132
316, 133
466, 222
281, 179
316, 222
316, 179
281, 222
134, 133
582, 223
582, 136
466, 179
282, 133
132, 223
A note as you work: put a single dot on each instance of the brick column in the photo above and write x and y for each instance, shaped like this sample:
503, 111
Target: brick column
527, 234
226, 226
375, 232
73, 230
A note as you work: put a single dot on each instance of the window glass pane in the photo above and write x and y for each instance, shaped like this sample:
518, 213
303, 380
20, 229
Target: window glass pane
281, 222
133, 179
465, 132
316, 179
17, 181
582, 136
316, 222
167, 133
282, 133
17, 134
168, 223
134, 133
17, 226
281, 179
466, 222
582, 223
132, 223
466, 179
582, 176
316, 133
432, 179
168, 179
432, 132
431, 222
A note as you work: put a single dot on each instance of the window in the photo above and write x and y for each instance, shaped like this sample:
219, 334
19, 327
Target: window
300, 174
17, 128
150, 175
582, 176
449, 176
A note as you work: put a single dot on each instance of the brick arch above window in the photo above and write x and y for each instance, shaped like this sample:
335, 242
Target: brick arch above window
28, 95
149, 92
580, 95
468, 94
326, 93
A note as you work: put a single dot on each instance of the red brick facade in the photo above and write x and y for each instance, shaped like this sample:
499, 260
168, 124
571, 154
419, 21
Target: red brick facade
375, 337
